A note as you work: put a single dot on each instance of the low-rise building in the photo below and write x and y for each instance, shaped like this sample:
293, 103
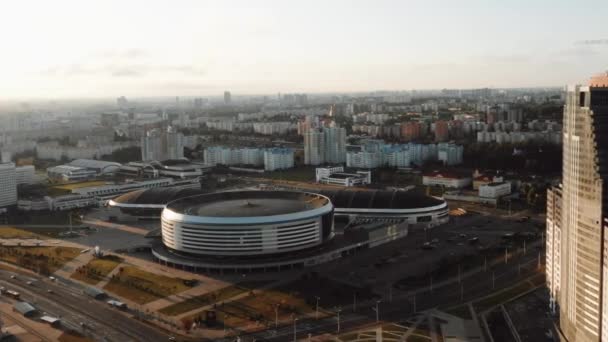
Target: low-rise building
446, 179
337, 176
67, 173
25, 174
494, 190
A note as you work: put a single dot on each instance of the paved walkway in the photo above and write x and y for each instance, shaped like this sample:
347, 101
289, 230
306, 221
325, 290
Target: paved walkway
185, 295
123, 227
70, 267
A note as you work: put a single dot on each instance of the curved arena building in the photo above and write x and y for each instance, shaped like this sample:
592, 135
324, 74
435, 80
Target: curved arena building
412, 207
247, 223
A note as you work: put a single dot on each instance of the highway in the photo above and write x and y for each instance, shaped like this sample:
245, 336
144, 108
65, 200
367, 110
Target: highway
101, 322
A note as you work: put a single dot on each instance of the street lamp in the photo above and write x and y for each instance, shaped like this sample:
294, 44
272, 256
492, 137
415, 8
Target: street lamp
338, 310
276, 315
377, 310
225, 318
295, 329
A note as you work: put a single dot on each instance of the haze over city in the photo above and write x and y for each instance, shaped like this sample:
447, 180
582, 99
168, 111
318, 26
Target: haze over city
319, 171
64, 49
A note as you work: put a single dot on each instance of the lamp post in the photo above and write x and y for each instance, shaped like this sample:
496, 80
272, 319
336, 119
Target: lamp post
338, 310
276, 315
295, 329
377, 310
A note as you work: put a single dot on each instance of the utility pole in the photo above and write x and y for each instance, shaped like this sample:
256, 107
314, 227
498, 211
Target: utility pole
317, 308
539, 263
506, 255
524, 247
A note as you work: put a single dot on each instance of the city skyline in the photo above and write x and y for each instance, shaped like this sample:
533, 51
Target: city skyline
101, 49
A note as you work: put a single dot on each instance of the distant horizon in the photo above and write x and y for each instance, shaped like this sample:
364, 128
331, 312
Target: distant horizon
254, 95
136, 48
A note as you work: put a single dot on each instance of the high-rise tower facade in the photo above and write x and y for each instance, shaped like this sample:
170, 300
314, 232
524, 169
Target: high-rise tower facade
577, 217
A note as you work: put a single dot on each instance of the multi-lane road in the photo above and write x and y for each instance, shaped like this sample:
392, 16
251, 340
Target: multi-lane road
78, 311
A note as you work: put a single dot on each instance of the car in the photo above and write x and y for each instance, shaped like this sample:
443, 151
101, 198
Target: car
427, 245
435, 241
52, 278
13, 276
49, 291
30, 283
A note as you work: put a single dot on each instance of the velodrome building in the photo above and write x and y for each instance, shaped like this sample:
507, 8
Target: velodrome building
272, 230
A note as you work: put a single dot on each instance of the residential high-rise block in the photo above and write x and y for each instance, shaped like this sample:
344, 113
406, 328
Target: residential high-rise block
227, 97
161, 145
442, 131
325, 145
314, 147
577, 217
8, 185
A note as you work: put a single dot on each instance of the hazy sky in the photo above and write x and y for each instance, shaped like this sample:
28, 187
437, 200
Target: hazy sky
147, 48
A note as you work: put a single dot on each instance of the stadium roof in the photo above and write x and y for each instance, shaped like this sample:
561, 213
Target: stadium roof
98, 165
377, 199
248, 203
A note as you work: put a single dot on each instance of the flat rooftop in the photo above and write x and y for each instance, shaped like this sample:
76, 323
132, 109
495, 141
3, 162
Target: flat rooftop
248, 203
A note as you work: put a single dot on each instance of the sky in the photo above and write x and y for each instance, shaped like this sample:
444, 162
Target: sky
68, 49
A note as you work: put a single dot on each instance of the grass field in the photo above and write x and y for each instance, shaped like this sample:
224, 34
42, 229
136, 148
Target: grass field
45, 260
16, 233
97, 269
301, 174
219, 295
143, 287
260, 307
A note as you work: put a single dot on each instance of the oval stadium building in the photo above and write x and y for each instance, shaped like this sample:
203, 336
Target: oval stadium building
409, 206
246, 223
